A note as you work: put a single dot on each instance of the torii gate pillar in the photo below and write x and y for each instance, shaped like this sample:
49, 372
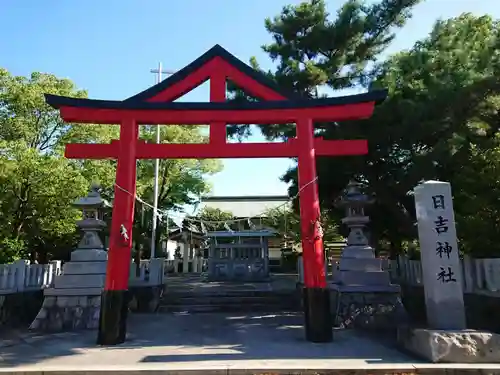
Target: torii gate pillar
114, 299
316, 295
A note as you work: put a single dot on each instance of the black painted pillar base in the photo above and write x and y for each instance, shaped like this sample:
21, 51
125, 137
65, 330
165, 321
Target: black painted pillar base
113, 317
317, 314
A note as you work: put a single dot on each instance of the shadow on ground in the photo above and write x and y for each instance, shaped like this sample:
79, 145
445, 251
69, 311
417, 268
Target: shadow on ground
168, 338
29, 348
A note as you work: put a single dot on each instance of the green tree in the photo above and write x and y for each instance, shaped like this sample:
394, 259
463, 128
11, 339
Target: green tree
181, 181
214, 218
439, 122
37, 185
286, 222
440, 117
316, 52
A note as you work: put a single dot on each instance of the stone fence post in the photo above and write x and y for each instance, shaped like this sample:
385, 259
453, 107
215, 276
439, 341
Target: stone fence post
20, 274
156, 271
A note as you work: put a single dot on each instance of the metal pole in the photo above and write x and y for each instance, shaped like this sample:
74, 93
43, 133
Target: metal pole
157, 172
158, 73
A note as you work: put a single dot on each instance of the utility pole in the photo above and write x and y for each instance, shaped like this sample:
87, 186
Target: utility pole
158, 73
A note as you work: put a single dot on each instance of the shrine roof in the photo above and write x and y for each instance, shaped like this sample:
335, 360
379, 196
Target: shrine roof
63, 101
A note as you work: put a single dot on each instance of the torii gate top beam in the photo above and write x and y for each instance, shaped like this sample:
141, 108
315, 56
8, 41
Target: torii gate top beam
156, 104
265, 112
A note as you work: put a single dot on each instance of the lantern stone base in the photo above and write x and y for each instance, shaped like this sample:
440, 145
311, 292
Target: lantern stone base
374, 308
74, 301
68, 313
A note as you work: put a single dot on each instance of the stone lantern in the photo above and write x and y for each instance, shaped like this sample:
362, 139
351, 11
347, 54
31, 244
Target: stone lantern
363, 294
92, 206
354, 203
73, 301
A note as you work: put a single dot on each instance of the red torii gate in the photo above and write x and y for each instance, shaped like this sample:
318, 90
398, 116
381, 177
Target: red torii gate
156, 106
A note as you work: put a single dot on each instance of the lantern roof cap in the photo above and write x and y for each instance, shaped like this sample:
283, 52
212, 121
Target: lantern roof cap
92, 200
354, 195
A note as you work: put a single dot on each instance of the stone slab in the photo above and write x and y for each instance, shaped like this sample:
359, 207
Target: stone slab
462, 346
390, 288
363, 277
79, 281
217, 344
82, 268
360, 264
89, 255
358, 251
73, 292
249, 367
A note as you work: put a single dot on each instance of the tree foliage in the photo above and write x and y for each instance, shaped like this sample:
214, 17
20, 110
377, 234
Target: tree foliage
181, 181
286, 222
315, 51
440, 120
214, 218
38, 185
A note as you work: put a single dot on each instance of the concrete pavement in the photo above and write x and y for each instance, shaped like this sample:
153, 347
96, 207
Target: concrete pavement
214, 344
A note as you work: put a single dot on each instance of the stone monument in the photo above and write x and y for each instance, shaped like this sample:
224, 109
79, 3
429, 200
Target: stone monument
447, 339
74, 300
441, 269
362, 293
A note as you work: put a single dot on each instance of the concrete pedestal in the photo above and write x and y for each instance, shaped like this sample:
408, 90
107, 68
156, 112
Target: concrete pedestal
376, 308
362, 293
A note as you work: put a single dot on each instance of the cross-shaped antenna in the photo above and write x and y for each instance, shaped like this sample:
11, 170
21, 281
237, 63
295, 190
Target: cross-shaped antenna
159, 72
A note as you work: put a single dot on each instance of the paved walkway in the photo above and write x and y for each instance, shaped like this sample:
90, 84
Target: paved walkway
211, 344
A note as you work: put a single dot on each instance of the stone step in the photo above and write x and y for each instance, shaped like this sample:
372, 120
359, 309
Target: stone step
228, 294
210, 308
228, 301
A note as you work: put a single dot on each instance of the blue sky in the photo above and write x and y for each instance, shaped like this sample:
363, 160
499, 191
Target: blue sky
109, 46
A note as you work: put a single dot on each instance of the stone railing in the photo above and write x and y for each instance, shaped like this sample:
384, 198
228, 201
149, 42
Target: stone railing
329, 270
479, 276
196, 265
148, 272
22, 276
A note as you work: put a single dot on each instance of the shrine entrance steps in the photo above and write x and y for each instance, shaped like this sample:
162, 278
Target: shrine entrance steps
193, 294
